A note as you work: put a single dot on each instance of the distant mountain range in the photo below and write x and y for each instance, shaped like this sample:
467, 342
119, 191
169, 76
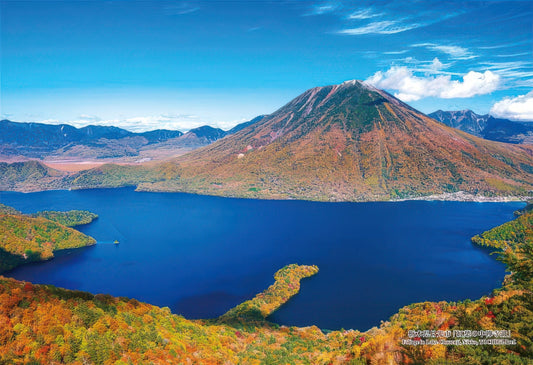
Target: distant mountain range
486, 126
346, 142
64, 142
38, 140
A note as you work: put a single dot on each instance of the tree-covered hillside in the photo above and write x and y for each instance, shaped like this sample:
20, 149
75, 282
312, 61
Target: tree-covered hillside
71, 218
26, 239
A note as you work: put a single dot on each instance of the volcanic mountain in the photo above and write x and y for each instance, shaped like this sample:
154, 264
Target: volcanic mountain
347, 142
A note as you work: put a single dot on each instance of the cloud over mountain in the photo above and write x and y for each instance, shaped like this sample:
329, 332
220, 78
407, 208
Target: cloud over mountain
410, 87
518, 108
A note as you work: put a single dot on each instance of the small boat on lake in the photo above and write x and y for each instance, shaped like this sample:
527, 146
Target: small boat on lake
116, 242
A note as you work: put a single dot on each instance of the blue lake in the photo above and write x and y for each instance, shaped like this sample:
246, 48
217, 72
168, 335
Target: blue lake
202, 255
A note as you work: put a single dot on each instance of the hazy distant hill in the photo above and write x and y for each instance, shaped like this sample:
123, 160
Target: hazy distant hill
200, 136
193, 139
160, 135
504, 130
38, 140
486, 126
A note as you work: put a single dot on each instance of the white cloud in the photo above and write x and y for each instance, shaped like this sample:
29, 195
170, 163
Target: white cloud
518, 108
382, 27
48, 121
181, 8
90, 117
136, 124
436, 65
513, 55
180, 122
432, 67
455, 52
517, 73
507, 45
147, 123
323, 8
411, 87
395, 52
387, 20
364, 14
187, 11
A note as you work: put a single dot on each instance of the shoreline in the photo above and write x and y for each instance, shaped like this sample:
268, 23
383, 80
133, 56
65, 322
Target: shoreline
459, 196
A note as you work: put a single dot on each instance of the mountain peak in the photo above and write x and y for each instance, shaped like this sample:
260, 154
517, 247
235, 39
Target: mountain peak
351, 141
359, 83
352, 82
465, 119
348, 84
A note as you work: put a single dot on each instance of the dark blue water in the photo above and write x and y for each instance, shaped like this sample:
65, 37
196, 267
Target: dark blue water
201, 255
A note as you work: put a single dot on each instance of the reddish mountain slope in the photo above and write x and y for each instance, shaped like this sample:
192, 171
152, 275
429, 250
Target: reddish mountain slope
350, 142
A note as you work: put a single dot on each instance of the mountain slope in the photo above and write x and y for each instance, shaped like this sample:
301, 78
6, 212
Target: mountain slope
241, 126
465, 120
486, 126
504, 130
160, 135
350, 142
37, 135
29, 176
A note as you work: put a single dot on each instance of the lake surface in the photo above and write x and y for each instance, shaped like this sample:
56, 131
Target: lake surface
202, 255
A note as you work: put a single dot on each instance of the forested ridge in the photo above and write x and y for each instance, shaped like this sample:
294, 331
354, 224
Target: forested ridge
29, 238
71, 218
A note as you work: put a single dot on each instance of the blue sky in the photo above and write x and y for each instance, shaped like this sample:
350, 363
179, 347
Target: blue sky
180, 64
